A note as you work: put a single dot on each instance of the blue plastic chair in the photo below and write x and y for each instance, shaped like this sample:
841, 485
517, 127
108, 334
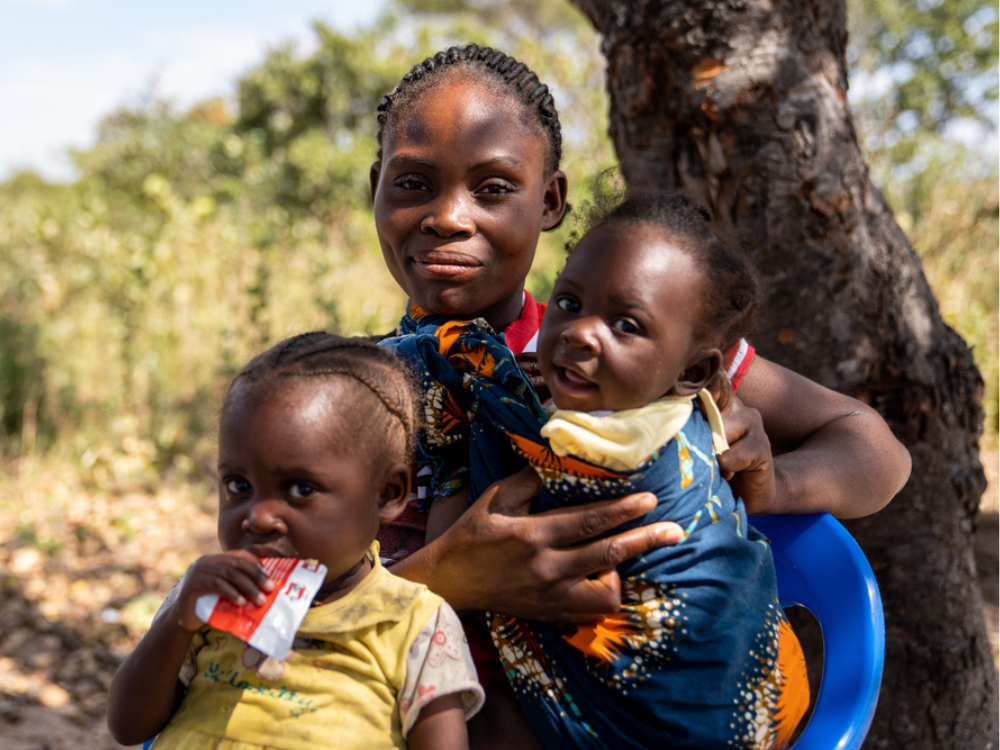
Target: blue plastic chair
821, 567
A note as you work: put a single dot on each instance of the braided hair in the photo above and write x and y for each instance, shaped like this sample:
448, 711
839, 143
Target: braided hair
502, 72
729, 296
394, 425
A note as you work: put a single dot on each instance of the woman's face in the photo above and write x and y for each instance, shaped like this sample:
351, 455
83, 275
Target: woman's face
461, 197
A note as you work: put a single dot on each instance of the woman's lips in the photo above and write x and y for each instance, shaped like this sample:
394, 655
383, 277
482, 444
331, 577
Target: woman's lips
446, 265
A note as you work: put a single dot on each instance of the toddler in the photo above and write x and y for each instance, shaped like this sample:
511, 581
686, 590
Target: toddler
314, 447
700, 655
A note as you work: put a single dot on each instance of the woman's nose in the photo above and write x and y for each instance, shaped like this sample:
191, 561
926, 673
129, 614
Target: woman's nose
450, 215
583, 333
264, 518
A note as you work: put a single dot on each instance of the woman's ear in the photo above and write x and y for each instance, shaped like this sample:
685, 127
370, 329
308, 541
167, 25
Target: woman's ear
394, 493
373, 175
555, 200
699, 372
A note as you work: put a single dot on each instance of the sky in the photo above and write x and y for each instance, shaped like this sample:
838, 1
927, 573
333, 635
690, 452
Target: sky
65, 64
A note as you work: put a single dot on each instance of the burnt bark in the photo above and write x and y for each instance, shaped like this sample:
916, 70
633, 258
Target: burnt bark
743, 105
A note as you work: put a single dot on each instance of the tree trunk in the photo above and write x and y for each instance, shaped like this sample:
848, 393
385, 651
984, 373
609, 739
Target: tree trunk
744, 107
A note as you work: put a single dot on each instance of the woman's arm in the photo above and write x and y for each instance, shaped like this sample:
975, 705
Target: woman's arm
831, 452
544, 567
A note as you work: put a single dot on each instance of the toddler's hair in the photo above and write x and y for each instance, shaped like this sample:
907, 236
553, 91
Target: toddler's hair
505, 74
729, 296
318, 354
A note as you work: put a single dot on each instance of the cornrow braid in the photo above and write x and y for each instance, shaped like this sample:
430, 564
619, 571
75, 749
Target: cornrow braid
319, 354
492, 66
405, 418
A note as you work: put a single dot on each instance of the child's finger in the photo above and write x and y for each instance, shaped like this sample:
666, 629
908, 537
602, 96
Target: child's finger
255, 569
237, 576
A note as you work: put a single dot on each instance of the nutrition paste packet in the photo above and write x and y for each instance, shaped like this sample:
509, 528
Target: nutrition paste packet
271, 627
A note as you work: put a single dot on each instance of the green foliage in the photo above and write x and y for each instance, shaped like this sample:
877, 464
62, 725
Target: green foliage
920, 70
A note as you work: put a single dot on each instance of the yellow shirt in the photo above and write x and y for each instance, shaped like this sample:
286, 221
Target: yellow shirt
339, 687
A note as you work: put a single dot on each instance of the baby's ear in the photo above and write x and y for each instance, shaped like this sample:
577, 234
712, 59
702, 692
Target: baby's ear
395, 493
704, 366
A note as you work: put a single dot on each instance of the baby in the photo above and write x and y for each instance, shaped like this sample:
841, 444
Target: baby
314, 447
700, 654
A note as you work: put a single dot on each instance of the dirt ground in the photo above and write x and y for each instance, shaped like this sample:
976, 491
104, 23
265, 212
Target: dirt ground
80, 577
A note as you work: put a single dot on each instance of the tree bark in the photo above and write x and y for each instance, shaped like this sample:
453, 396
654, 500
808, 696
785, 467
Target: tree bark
743, 105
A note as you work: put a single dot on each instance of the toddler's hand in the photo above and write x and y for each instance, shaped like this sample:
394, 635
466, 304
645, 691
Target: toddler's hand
528, 362
237, 576
748, 464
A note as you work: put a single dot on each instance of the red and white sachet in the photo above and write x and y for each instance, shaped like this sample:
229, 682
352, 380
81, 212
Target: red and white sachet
271, 627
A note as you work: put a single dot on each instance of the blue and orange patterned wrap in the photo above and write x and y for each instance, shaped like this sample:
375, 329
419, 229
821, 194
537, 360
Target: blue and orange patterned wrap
700, 654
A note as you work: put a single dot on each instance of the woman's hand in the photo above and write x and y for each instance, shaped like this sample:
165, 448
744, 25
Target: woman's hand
237, 576
544, 567
748, 464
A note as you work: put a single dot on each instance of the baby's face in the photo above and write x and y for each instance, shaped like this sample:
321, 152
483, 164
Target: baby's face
290, 484
619, 331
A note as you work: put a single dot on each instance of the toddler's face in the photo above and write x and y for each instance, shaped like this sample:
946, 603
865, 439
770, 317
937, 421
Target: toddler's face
460, 198
619, 329
291, 483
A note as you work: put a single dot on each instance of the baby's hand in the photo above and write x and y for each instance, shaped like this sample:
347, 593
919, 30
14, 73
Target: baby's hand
528, 362
237, 576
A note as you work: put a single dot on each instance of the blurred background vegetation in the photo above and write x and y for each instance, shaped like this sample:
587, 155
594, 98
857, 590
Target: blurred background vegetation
192, 239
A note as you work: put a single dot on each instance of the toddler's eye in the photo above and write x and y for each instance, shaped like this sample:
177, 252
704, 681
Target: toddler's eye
568, 304
300, 490
236, 486
625, 326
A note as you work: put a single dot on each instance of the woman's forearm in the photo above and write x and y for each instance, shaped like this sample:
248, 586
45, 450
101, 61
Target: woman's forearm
831, 452
849, 468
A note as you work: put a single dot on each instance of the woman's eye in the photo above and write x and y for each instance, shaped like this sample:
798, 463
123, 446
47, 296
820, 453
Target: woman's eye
625, 326
496, 188
301, 490
568, 304
409, 183
237, 486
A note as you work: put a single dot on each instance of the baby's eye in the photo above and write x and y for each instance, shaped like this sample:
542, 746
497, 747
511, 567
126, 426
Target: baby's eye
236, 485
568, 304
625, 326
300, 490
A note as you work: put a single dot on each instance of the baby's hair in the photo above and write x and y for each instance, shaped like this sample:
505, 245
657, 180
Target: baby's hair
325, 355
729, 295
493, 67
